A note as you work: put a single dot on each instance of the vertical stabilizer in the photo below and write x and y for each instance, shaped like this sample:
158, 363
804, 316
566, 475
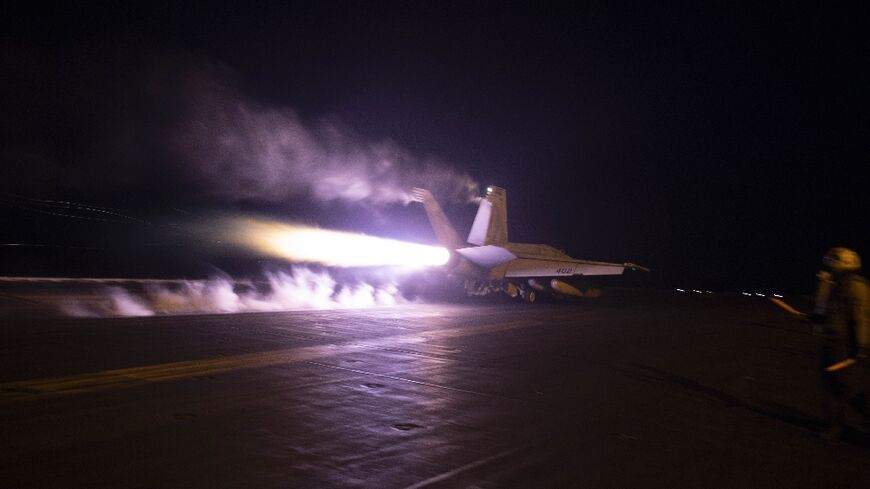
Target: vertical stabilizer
490, 224
444, 231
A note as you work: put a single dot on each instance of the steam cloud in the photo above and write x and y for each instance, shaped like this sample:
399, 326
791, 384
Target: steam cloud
187, 129
239, 149
303, 288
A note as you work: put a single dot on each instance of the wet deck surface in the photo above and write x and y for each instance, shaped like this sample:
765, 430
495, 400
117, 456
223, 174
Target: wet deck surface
652, 389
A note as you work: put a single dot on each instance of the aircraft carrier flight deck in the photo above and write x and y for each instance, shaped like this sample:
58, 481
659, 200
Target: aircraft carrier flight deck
633, 389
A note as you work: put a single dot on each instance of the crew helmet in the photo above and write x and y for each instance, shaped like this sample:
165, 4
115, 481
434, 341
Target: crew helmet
842, 260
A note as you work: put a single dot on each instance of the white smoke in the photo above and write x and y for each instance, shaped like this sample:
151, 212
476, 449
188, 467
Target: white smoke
125, 304
301, 289
239, 149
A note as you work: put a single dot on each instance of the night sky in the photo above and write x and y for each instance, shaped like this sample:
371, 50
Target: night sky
723, 146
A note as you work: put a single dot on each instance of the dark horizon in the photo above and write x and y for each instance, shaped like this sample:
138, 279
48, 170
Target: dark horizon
721, 146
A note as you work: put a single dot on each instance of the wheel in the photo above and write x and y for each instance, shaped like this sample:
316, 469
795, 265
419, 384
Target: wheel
531, 297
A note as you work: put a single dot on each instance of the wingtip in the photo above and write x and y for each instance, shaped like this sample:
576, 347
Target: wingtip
635, 266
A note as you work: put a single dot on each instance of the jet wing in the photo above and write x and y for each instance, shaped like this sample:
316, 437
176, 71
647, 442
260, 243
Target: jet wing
536, 267
491, 256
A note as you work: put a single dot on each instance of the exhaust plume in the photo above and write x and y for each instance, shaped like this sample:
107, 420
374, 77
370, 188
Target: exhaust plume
306, 244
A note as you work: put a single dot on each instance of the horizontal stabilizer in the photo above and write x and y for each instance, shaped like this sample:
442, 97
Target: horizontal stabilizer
487, 256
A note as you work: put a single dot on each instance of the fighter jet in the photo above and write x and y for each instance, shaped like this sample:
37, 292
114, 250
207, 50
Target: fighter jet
490, 264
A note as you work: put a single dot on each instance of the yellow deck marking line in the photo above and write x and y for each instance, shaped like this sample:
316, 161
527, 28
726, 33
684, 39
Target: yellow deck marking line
110, 379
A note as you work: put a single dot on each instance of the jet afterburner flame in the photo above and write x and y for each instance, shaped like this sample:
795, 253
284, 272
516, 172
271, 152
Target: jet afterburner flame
300, 243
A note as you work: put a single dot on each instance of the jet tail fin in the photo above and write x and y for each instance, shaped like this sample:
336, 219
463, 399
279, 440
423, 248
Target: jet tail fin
490, 223
444, 231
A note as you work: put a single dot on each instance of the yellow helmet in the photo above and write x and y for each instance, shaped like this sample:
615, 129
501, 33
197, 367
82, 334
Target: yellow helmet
842, 260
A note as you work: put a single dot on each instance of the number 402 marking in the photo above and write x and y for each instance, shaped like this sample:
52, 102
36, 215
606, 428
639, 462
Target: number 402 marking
565, 270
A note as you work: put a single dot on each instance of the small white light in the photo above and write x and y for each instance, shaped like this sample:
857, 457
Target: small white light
489, 190
777, 296
746, 293
680, 290
759, 295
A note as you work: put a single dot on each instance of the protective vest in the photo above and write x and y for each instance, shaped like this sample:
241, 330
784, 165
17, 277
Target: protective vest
849, 313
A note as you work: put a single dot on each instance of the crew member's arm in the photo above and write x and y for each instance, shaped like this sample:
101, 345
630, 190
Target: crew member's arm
840, 365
